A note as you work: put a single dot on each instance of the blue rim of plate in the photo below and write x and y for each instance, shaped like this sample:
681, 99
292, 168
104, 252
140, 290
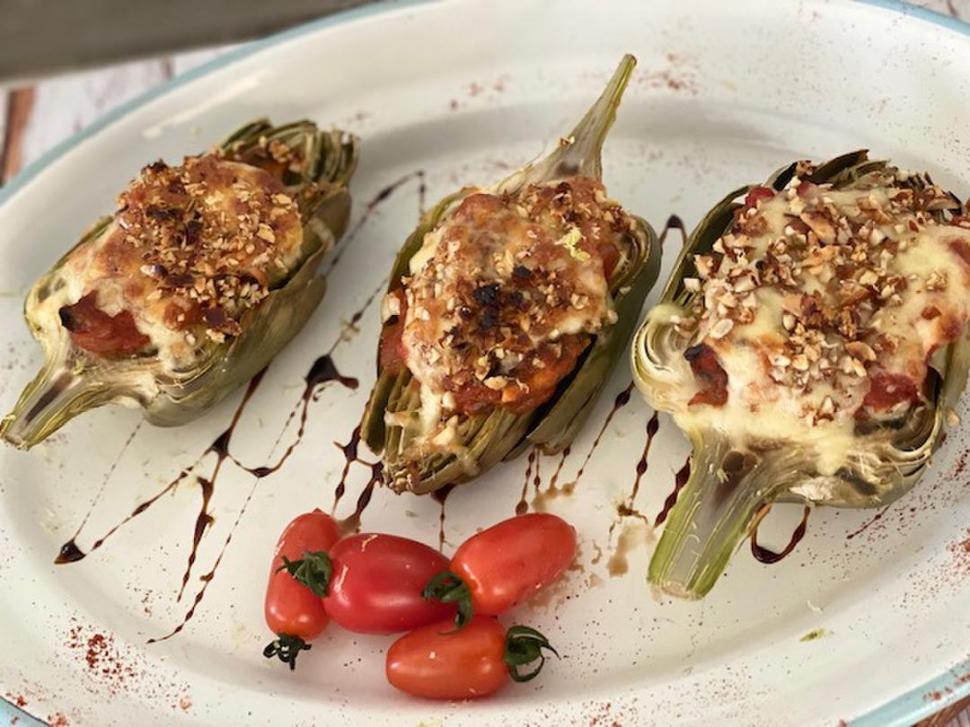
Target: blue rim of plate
906, 709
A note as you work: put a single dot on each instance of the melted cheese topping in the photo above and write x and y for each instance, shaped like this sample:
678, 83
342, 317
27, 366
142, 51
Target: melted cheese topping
502, 289
824, 306
190, 249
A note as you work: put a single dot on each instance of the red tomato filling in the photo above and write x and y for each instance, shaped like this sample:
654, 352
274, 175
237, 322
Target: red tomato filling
886, 390
610, 255
757, 194
391, 352
712, 380
961, 248
542, 380
97, 332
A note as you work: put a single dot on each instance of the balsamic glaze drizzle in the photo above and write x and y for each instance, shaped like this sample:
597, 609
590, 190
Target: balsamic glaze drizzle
653, 425
769, 556
621, 400
372, 206
70, 552
322, 371
553, 481
352, 523
349, 451
680, 479
522, 506
673, 223
441, 495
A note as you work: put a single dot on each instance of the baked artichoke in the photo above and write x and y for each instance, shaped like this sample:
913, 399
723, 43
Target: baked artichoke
507, 308
812, 344
203, 273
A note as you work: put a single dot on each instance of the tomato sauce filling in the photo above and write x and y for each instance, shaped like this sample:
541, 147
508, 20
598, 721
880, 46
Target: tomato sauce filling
391, 354
99, 333
556, 363
886, 390
483, 328
474, 397
711, 378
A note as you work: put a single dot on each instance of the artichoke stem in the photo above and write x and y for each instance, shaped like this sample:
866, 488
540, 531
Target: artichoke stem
53, 398
713, 513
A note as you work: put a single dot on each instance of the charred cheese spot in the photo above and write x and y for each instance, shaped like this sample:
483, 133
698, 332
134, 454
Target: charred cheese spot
506, 292
189, 251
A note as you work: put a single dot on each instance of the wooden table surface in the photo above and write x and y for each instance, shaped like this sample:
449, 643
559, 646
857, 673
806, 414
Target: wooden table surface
36, 116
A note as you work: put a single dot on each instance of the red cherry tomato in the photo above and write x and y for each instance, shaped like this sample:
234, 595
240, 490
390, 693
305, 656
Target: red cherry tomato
506, 564
377, 583
437, 662
293, 611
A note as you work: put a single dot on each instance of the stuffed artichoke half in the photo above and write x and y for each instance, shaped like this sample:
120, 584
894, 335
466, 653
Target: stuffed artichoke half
203, 273
812, 344
507, 308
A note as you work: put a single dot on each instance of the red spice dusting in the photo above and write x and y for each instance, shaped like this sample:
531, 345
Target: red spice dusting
58, 720
937, 694
18, 699
145, 603
961, 464
103, 659
960, 550
112, 667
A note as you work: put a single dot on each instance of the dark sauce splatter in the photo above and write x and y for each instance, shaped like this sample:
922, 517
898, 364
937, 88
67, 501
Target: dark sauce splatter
522, 506
352, 524
868, 523
350, 326
371, 206
769, 556
441, 495
621, 400
537, 475
680, 479
674, 223
321, 372
627, 508
349, 451
220, 447
554, 480
552, 490
70, 552
653, 426
632, 533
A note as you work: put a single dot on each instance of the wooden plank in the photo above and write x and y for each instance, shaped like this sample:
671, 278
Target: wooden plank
18, 114
64, 105
956, 715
